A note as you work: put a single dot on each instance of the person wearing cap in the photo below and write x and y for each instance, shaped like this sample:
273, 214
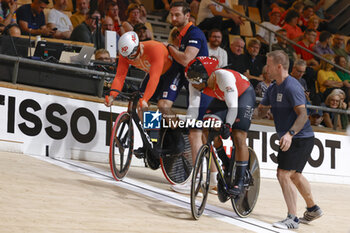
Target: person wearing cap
316, 118
233, 105
266, 36
31, 18
141, 31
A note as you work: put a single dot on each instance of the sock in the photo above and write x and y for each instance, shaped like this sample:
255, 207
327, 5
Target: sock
241, 167
295, 218
223, 157
213, 178
312, 208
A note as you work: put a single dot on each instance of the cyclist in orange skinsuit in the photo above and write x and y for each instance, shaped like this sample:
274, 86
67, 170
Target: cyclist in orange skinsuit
149, 56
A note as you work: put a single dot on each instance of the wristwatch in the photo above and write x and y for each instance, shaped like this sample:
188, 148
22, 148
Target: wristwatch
292, 132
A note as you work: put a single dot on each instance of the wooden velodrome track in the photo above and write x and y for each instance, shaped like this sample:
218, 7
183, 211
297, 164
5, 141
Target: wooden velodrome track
42, 194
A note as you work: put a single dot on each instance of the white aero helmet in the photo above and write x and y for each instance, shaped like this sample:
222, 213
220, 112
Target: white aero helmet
128, 45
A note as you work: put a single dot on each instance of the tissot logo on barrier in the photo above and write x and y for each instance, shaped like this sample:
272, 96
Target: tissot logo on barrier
151, 120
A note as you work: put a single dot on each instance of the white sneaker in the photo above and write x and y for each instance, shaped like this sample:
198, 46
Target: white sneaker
182, 188
288, 223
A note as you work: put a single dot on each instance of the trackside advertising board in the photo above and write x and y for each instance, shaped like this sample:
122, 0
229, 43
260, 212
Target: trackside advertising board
41, 124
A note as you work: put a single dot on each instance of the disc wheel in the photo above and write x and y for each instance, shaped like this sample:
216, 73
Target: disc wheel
245, 203
200, 182
176, 168
121, 146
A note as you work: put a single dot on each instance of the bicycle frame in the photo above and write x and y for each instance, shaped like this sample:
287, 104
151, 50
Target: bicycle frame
213, 155
146, 139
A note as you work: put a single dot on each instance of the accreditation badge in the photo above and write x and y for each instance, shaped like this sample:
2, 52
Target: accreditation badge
279, 97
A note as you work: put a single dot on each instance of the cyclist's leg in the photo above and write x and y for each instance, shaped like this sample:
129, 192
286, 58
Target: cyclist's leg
240, 128
217, 110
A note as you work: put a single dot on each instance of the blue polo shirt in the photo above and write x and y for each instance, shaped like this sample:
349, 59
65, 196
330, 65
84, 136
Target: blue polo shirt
193, 36
34, 21
283, 98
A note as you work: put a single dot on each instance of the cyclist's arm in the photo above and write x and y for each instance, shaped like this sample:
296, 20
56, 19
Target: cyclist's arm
185, 57
227, 83
194, 102
119, 78
155, 72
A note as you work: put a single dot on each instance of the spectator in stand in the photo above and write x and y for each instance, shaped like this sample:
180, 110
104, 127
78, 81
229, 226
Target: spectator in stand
327, 79
113, 13
210, 15
316, 118
12, 30
298, 6
86, 31
313, 23
265, 36
282, 44
102, 55
214, 49
58, 19
338, 45
133, 18
324, 44
345, 77
343, 105
7, 13
236, 49
141, 31
106, 25
293, 30
251, 63
308, 12
82, 10
347, 50
307, 42
262, 86
31, 18
299, 69
330, 118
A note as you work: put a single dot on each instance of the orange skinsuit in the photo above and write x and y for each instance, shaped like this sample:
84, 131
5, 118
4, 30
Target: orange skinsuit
155, 60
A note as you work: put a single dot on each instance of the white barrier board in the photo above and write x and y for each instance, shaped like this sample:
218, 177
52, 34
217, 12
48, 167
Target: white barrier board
69, 128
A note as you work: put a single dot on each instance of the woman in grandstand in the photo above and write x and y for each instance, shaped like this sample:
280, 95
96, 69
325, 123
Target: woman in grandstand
133, 14
333, 100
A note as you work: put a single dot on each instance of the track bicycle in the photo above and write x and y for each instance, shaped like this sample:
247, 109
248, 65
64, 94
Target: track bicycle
242, 204
175, 167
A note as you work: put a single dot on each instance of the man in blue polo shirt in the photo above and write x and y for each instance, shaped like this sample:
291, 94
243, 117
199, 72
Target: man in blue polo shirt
192, 44
31, 18
287, 101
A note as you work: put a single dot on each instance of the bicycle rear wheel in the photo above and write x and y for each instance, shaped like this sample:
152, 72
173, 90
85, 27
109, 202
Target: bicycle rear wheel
176, 168
200, 182
121, 146
245, 203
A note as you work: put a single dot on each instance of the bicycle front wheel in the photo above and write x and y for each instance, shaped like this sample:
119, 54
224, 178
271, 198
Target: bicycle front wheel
121, 146
200, 182
245, 203
176, 168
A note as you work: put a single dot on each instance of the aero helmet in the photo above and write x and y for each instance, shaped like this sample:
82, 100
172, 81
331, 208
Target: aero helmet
128, 45
199, 70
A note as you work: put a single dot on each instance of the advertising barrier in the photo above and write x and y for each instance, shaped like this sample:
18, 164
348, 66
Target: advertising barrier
61, 127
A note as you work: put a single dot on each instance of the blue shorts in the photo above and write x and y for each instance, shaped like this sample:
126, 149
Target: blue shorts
170, 83
246, 102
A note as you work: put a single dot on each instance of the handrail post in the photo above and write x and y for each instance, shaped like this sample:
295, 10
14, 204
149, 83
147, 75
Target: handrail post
15, 72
